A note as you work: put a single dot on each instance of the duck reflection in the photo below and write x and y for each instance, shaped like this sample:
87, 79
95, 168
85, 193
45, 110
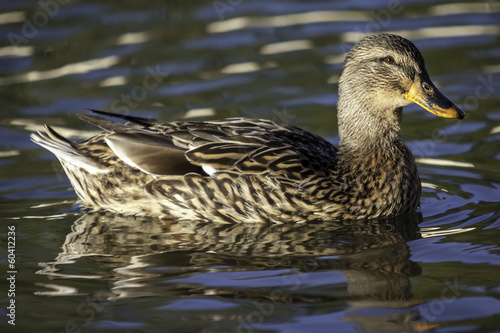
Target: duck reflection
144, 257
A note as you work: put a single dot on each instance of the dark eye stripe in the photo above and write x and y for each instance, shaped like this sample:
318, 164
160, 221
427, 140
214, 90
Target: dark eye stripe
408, 70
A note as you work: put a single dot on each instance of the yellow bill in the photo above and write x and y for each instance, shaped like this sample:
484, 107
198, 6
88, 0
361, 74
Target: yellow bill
424, 93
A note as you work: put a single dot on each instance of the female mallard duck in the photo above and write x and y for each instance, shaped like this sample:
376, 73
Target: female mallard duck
248, 170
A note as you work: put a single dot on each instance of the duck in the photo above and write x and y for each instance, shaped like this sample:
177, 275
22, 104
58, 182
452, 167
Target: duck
243, 170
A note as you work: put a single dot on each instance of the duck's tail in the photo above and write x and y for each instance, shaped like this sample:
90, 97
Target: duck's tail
64, 149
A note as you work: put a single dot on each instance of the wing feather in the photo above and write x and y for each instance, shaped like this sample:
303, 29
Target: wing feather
248, 146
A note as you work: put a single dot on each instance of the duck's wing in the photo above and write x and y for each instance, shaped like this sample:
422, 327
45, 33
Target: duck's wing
255, 146
242, 145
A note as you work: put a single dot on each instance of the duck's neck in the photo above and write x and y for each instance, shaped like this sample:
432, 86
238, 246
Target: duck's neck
363, 128
374, 165
370, 137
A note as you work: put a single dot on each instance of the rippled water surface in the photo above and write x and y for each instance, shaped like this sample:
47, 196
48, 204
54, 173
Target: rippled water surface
437, 269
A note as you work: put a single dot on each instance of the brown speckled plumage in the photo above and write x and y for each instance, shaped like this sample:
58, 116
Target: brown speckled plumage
249, 170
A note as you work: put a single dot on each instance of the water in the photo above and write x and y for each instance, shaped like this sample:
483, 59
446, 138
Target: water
437, 269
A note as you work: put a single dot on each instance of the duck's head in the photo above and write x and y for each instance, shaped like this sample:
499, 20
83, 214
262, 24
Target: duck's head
381, 74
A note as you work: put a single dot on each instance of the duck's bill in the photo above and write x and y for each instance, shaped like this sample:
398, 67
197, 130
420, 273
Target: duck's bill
424, 93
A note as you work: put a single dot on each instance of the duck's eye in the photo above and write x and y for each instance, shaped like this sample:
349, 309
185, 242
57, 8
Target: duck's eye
389, 60
427, 88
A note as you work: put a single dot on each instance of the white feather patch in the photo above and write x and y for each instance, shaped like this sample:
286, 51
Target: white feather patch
209, 170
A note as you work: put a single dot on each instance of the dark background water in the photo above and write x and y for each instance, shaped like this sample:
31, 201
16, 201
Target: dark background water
437, 269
